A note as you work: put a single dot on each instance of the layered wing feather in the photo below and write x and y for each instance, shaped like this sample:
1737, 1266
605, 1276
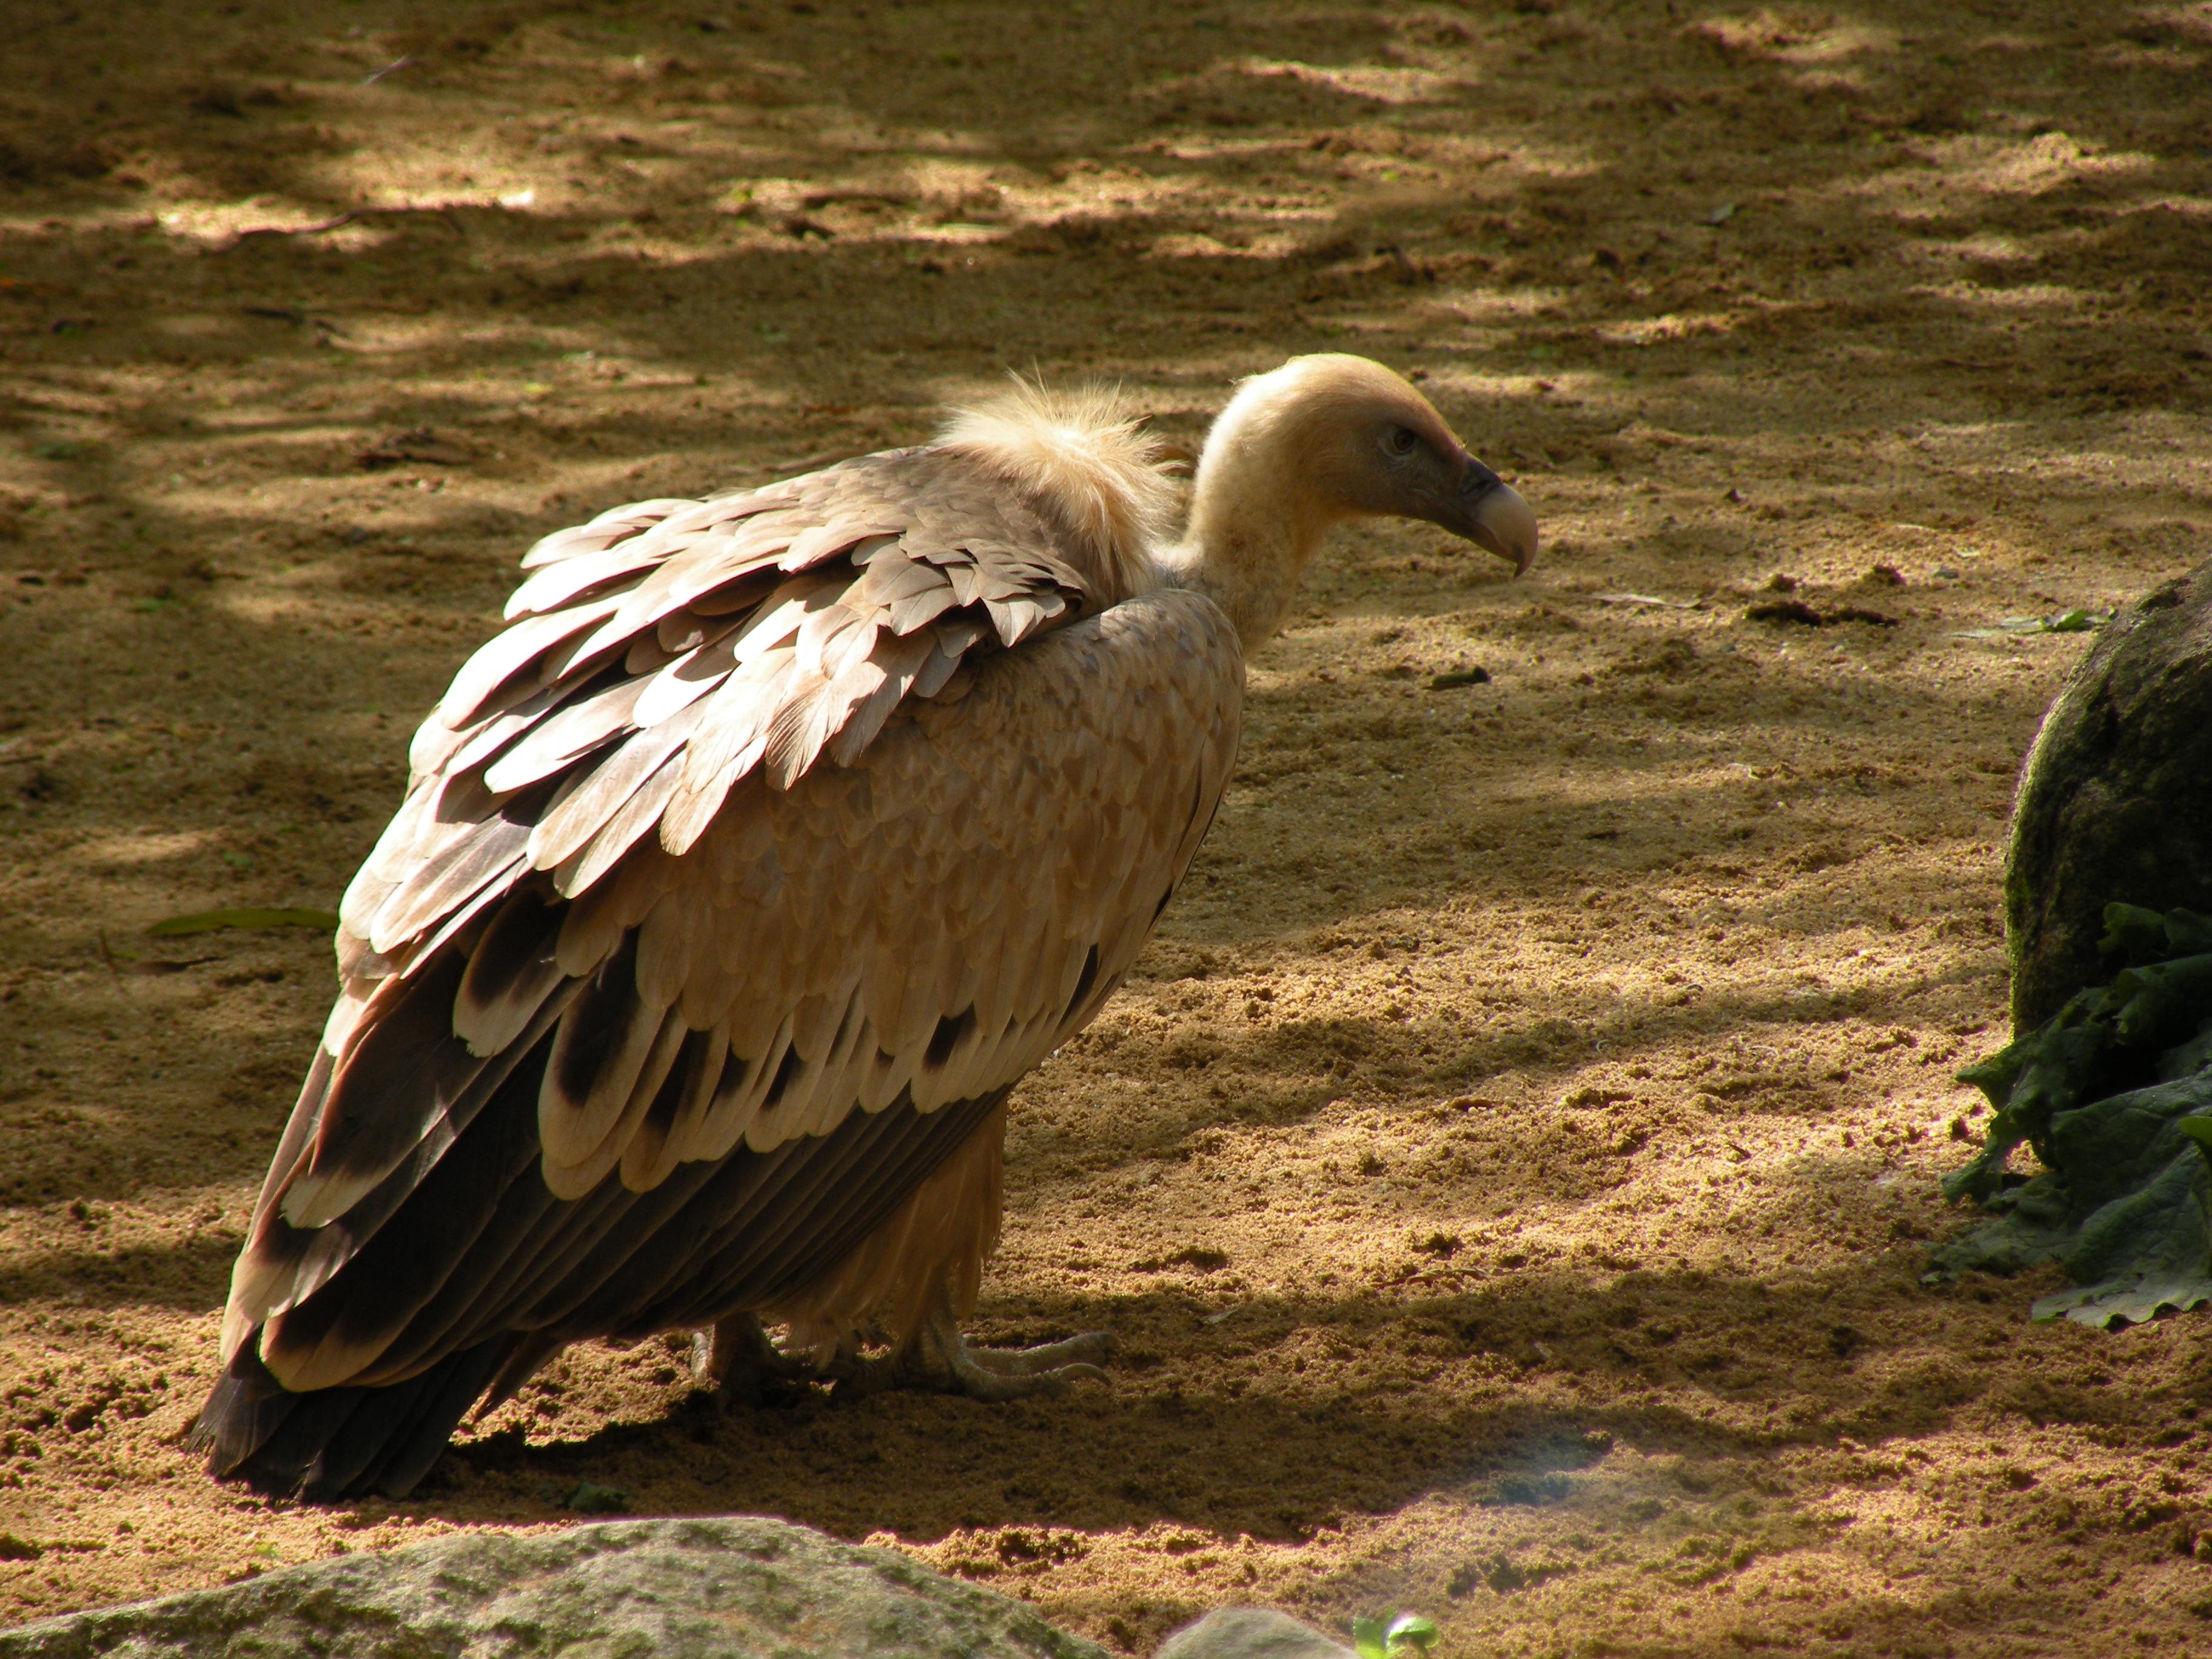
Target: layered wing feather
859, 793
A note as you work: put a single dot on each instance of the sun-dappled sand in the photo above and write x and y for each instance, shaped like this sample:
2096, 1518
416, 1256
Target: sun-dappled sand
1509, 1171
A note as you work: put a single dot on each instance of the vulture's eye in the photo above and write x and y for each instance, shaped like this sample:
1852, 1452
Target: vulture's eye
1401, 442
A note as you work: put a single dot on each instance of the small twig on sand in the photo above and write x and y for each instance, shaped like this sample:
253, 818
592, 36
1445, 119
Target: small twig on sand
390, 69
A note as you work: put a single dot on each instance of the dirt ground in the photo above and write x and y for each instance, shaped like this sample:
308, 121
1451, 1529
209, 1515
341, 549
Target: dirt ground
1510, 1169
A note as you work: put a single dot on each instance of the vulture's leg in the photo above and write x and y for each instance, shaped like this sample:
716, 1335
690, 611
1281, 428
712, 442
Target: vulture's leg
1019, 1373
917, 1268
1076, 1352
936, 1356
743, 1367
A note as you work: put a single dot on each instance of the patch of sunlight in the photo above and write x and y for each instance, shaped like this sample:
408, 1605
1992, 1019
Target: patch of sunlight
1984, 245
205, 224
147, 846
1474, 384
2028, 297
1792, 36
1278, 244
1480, 306
1980, 164
897, 187
2033, 167
1230, 244
933, 200
274, 428
1830, 82
1373, 81
2193, 207
122, 216
956, 233
1674, 326
1196, 147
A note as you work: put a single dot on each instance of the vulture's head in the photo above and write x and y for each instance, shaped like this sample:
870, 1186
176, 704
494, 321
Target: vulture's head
1347, 438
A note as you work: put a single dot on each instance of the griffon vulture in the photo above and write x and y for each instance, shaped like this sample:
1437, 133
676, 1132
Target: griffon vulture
738, 882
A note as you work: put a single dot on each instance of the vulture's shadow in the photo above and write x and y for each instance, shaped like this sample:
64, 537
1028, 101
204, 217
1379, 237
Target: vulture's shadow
1292, 1416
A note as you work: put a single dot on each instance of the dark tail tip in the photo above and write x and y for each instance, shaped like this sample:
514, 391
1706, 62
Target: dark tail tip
340, 1442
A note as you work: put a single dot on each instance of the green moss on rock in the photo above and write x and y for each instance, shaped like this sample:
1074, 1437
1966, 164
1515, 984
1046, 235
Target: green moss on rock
2115, 802
699, 1588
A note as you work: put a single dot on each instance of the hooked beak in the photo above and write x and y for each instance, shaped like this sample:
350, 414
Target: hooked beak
1493, 516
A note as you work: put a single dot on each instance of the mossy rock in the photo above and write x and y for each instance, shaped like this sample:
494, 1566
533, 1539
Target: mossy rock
701, 1589
2115, 803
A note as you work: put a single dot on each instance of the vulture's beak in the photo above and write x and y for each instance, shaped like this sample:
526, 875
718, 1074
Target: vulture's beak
1492, 515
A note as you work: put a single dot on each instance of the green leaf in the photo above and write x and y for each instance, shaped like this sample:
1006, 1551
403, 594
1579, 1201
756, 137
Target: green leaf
2129, 928
2066, 622
2073, 621
1983, 1178
2187, 933
2114, 1093
1410, 1630
2129, 1301
1370, 1640
2156, 1228
209, 922
2164, 1002
1995, 1075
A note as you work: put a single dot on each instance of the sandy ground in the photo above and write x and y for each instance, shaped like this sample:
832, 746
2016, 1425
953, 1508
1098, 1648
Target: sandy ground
1508, 1170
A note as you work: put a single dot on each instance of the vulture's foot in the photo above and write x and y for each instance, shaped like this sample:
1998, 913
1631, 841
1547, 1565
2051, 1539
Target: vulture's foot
938, 1357
743, 1368
1013, 1373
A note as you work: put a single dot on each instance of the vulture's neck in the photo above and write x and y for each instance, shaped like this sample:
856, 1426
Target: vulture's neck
1253, 528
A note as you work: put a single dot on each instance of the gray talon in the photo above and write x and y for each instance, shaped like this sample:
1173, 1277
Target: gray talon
737, 1361
742, 1365
1092, 1346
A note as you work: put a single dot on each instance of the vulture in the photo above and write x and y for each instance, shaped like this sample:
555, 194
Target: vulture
738, 880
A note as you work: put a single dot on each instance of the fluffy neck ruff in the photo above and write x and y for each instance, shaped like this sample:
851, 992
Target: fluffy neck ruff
1256, 516
1081, 453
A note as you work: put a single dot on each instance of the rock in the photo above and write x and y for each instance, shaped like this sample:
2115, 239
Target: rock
1251, 1633
2115, 797
733, 1587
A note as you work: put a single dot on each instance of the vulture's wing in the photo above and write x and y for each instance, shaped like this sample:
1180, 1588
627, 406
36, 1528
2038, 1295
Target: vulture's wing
775, 837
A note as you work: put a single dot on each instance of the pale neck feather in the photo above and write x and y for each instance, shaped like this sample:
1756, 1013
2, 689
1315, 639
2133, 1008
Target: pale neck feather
1083, 453
1254, 526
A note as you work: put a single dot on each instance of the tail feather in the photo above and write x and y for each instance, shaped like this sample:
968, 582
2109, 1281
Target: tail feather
246, 1406
399, 1455
339, 1442
281, 1465
710, 1238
